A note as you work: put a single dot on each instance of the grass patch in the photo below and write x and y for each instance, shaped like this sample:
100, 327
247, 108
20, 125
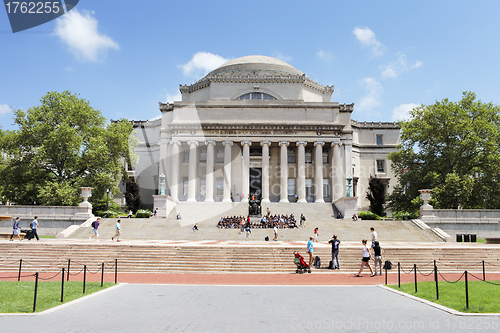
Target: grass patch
481, 240
17, 297
483, 297
46, 236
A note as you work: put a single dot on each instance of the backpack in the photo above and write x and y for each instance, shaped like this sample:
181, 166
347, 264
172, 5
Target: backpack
266, 238
93, 224
387, 264
317, 262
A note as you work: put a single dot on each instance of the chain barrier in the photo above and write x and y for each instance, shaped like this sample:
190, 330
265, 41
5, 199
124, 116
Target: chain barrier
481, 279
89, 271
460, 278
50, 278
432, 272
411, 270
15, 277
73, 274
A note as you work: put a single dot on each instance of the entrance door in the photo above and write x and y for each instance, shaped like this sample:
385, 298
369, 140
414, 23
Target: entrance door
255, 182
309, 192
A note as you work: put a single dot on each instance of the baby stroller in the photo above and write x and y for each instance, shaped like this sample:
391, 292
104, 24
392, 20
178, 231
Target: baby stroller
302, 266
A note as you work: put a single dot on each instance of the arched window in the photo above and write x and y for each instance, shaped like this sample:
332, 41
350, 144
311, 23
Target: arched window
256, 95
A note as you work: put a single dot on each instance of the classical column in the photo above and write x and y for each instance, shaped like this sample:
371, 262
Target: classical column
174, 169
245, 174
284, 171
301, 172
227, 170
192, 171
337, 185
348, 166
318, 174
265, 170
163, 155
168, 166
209, 196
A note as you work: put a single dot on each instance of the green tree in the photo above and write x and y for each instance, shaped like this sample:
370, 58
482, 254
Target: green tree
60, 145
376, 195
452, 148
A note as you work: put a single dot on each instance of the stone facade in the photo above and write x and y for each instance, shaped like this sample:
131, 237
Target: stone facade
258, 126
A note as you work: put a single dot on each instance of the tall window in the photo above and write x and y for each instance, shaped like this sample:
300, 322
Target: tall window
203, 155
203, 186
325, 157
308, 156
380, 139
186, 155
220, 155
219, 186
291, 156
380, 166
326, 187
256, 95
185, 186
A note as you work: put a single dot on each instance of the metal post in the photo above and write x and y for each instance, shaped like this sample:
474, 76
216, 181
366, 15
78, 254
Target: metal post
466, 291
20, 266
69, 262
484, 273
84, 276
102, 274
116, 271
399, 275
36, 289
386, 276
415, 269
436, 279
62, 286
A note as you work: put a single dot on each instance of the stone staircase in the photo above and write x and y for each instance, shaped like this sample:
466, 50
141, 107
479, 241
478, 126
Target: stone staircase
210, 257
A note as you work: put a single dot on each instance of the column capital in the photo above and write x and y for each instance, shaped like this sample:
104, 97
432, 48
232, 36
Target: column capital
246, 142
268, 143
317, 143
175, 142
336, 142
227, 142
192, 142
301, 143
281, 143
210, 142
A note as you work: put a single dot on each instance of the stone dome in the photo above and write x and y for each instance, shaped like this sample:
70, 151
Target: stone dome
256, 64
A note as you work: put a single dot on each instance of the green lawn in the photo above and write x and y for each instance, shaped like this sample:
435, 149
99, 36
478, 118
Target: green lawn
17, 297
483, 297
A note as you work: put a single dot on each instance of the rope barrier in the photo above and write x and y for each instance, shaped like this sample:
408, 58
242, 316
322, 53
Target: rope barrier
460, 278
481, 279
50, 278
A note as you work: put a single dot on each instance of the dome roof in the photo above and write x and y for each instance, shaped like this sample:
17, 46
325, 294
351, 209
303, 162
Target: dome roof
256, 63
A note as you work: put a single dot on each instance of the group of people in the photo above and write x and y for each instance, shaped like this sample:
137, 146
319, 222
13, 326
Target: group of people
95, 228
16, 229
373, 253
267, 221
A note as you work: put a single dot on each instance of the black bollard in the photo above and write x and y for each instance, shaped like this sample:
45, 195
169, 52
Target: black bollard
436, 279
84, 276
62, 286
69, 262
102, 274
116, 271
484, 273
466, 291
36, 289
20, 266
399, 275
415, 269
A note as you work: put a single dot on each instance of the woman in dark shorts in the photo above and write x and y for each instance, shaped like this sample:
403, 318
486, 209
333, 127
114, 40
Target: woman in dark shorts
366, 259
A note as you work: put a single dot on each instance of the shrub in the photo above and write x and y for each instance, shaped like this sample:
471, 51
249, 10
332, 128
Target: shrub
404, 216
368, 216
143, 214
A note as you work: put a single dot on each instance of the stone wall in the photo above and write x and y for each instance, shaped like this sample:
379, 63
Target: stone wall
482, 222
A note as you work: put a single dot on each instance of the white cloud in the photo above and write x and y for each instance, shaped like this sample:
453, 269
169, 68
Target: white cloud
325, 55
372, 98
172, 98
398, 67
402, 111
4, 109
367, 39
281, 56
202, 63
78, 31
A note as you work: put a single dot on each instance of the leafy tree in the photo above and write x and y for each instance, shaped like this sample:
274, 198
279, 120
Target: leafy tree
452, 148
376, 195
61, 145
132, 195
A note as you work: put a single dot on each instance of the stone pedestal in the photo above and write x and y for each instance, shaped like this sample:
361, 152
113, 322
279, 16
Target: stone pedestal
347, 206
85, 207
165, 204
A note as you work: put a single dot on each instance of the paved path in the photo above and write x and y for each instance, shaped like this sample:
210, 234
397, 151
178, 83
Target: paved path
194, 308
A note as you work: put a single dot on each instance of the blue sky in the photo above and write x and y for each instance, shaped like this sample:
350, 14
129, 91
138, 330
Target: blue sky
384, 56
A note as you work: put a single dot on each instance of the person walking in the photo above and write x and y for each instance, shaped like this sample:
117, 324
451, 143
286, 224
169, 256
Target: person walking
275, 233
316, 234
247, 230
34, 227
95, 226
15, 229
118, 231
374, 236
377, 258
366, 259
335, 251
302, 220
310, 251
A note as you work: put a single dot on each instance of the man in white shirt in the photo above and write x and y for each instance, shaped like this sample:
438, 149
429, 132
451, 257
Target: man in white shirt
374, 236
118, 228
